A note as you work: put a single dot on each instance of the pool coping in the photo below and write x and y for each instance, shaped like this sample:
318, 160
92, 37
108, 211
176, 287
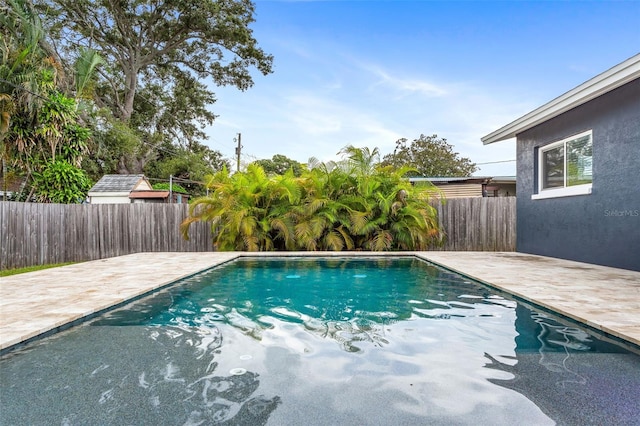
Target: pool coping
626, 335
37, 304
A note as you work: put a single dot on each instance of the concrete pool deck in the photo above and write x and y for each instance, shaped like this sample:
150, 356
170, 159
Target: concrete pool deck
35, 303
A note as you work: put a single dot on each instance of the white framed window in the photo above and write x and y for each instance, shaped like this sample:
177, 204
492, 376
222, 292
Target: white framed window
565, 167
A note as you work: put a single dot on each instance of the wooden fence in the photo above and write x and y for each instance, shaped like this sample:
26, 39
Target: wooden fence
34, 234
478, 224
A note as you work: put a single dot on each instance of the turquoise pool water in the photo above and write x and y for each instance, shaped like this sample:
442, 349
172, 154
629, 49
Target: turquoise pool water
322, 341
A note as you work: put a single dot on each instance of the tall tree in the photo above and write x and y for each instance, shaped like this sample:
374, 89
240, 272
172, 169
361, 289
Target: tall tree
158, 56
279, 164
158, 41
429, 156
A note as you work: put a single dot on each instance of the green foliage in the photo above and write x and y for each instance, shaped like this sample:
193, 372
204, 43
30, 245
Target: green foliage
25, 71
23, 61
178, 111
85, 66
128, 97
429, 156
50, 131
36, 146
61, 182
165, 42
40, 130
351, 205
76, 139
279, 165
174, 187
193, 164
154, 58
56, 113
113, 146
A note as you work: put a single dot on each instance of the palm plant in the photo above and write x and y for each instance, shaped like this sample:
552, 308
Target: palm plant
287, 192
24, 74
39, 124
323, 217
27, 70
352, 205
243, 210
362, 161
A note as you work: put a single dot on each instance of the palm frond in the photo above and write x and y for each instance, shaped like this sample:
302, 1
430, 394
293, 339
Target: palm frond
382, 241
333, 241
85, 67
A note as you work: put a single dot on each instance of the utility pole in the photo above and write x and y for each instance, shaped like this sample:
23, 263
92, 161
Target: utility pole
238, 150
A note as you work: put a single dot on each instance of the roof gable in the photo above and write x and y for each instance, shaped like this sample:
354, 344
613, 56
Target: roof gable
609, 80
120, 183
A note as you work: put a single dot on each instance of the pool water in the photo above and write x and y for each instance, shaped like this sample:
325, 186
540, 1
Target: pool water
322, 341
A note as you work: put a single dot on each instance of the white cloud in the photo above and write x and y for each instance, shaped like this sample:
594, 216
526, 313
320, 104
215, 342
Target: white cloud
316, 122
313, 115
408, 85
401, 85
333, 99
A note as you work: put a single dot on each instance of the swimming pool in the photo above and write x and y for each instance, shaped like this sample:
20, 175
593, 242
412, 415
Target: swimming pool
322, 341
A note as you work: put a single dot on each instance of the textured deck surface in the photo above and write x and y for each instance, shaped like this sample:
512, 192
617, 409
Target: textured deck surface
34, 303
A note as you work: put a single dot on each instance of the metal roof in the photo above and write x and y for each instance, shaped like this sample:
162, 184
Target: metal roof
441, 179
503, 179
117, 183
609, 80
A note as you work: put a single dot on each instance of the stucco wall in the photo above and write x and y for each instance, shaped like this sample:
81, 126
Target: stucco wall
122, 199
603, 227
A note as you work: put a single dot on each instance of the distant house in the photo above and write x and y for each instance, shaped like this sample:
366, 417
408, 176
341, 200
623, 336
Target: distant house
470, 186
124, 189
11, 186
501, 186
578, 162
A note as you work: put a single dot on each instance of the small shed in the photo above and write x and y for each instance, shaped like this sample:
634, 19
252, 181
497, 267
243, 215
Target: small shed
125, 189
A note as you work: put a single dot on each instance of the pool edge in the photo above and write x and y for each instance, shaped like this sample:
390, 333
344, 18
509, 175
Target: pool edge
599, 330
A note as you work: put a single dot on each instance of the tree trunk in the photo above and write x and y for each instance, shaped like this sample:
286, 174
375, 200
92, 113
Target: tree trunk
131, 81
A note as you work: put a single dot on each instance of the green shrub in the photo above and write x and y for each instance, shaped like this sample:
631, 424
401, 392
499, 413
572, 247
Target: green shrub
61, 182
174, 187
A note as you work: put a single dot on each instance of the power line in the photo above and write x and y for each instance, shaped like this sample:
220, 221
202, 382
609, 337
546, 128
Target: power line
176, 179
24, 88
495, 162
217, 141
249, 157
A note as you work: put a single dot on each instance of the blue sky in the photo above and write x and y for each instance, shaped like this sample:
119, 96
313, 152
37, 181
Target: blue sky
367, 73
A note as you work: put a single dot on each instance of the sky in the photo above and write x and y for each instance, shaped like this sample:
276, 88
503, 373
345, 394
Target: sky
367, 73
